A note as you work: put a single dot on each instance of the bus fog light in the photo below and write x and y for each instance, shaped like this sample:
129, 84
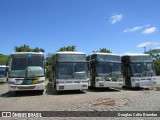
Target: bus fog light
13, 87
84, 85
61, 87
137, 84
101, 84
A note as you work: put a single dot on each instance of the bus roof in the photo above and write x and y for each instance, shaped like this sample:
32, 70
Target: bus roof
2, 65
135, 55
97, 53
27, 53
70, 52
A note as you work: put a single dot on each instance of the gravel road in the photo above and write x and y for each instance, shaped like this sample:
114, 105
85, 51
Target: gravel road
89, 100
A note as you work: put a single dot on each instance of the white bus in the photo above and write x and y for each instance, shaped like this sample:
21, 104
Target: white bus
27, 71
3, 73
138, 71
105, 70
70, 71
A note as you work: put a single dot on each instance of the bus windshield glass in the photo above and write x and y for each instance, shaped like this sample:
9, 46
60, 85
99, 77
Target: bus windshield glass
108, 69
70, 57
2, 71
110, 58
140, 59
71, 70
142, 69
27, 66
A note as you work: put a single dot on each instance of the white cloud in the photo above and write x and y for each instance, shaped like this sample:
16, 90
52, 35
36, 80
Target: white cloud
116, 18
145, 44
150, 30
133, 29
136, 28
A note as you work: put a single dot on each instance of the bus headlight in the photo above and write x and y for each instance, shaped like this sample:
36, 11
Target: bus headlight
42, 81
135, 80
36, 80
120, 78
84, 81
99, 79
11, 82
58, 82
154, 79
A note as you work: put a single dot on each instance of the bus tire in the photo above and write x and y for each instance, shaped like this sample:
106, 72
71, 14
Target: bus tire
41, 92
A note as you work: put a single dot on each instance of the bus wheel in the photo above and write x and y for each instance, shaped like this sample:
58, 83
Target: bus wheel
17, 92
55, 92
124, 87
41, 92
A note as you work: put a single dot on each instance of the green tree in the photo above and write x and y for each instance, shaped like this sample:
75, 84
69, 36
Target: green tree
4, 59
51, 58
68, 48
50, 62
26, 48
155, 53
103, 50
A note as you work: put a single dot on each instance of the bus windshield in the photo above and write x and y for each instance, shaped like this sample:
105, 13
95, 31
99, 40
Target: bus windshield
110, 58
71, 70
27, 66
70, 57
108, 69
2, 71
142, 69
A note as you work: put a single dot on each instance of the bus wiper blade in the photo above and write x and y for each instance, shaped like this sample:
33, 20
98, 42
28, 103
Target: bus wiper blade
146, 70
30, 71
79, 74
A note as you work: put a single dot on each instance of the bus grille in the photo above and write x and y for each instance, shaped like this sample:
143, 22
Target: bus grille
29, 87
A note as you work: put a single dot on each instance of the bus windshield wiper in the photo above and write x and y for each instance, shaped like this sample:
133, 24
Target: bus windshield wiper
146, 70
30, 71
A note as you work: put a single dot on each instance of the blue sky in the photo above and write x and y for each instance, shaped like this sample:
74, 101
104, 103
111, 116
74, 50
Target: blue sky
122, 26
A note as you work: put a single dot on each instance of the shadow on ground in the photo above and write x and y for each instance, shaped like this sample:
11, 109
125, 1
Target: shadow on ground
93, 89
21, 93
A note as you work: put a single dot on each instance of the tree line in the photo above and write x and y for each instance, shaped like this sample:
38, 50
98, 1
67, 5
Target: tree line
155, 53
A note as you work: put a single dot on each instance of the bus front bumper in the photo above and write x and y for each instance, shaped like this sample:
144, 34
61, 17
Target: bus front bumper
3, 79
145, 82
72, 86
13, 87
109, 84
